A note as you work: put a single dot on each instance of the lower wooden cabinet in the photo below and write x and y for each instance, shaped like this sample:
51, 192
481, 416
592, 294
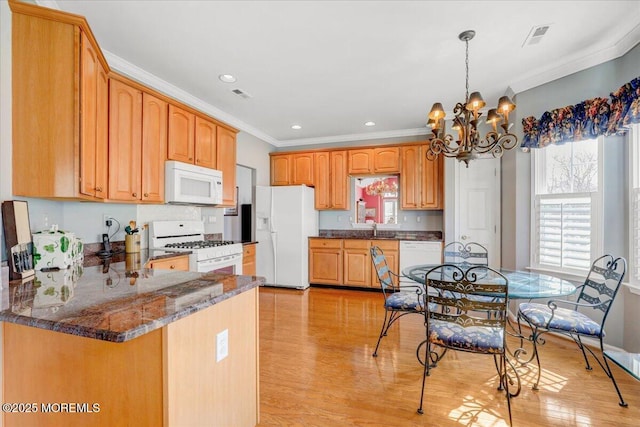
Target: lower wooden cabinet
179, 263
249, 259
347, 262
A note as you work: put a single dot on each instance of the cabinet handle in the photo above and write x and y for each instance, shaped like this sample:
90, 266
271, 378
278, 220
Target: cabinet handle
190, 158
172, 267
146, 194
135, 194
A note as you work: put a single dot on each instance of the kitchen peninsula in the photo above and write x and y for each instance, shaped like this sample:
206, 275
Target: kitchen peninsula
118, 344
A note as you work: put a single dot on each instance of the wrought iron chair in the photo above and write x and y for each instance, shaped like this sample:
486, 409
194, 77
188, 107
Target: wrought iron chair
398, 300
456, 320
597, 293
465, 253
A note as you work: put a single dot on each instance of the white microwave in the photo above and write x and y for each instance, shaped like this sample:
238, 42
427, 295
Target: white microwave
190, 184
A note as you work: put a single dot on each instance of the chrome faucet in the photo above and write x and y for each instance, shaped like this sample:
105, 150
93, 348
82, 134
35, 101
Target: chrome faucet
375, 229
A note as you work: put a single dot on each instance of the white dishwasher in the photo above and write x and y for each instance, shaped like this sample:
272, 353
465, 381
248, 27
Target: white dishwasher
414, 252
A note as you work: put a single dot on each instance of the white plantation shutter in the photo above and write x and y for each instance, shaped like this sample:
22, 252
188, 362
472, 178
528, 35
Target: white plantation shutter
564, 231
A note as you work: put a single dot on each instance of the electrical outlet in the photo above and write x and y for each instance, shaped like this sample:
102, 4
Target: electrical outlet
106, 220
222, 345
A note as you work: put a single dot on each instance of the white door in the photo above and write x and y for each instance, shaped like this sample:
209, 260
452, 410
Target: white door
477, 201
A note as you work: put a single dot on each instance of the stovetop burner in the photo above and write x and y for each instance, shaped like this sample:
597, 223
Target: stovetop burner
199, 244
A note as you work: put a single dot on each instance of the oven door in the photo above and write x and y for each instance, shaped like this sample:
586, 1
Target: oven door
230, 264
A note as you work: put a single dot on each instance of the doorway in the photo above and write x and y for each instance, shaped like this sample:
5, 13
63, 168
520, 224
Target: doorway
238, 224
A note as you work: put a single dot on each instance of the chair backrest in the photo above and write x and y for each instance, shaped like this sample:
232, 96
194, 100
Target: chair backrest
602, 283
454, 301
471, 253
385, 276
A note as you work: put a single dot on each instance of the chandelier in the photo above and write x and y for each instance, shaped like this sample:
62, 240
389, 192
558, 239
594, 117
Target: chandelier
381, 187
469, 142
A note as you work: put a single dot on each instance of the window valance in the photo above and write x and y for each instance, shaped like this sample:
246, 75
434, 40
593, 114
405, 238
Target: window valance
586, 120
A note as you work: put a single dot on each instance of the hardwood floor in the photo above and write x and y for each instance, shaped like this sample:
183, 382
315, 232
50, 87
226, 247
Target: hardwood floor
316, 369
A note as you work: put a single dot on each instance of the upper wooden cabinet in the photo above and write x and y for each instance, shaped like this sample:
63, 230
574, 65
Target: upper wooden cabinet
292, 169
154, 147
374, 160
421, 182
205, 143
331, 180
181, 145
59, 109
125, 142
226, 162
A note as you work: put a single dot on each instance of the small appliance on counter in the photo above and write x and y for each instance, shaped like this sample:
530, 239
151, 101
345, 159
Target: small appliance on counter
188, 236
55, 248
17, 239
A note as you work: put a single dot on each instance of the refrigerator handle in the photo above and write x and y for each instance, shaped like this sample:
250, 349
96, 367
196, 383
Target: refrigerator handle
274, 245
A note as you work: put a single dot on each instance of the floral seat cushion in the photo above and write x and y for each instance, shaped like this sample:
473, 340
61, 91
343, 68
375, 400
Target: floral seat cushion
473, 338
404, 301
563, 319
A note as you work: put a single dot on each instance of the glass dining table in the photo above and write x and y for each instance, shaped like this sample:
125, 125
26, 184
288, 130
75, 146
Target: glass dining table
522, 284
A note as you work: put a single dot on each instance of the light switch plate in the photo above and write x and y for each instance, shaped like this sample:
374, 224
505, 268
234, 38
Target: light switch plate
222, 345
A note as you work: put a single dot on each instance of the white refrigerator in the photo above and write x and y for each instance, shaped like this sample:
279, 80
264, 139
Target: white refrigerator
285, 218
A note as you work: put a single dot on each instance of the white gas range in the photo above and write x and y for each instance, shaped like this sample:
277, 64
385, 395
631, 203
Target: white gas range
206, 255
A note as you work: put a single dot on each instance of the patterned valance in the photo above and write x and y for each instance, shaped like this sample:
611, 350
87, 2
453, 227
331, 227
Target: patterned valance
586, 120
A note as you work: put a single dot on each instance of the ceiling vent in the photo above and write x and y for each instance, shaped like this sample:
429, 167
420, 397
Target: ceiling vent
536, 34
241, 93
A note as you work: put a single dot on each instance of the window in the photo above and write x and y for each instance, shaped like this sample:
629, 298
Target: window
565, 218
634, 205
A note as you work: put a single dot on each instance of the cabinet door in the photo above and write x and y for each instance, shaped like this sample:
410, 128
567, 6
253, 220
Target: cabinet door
226, 162
386, 160
302, 169
391, 249
325, 266
178, 263
321, 180
181, 144
357, 262
361, 161
281, 169
410, 178
93, 122
154, 147
432, 183
249, 260
340, 184
125, 141
205, 145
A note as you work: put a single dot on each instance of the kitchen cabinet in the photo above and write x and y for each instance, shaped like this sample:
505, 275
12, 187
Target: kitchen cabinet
293, 169
192, 138
356, 263
226, 162
325, 261
331, 180
421, 182
154, 147
125, 142
369, 161
178, 263
181, 144
249, 259
59, 108
347, 262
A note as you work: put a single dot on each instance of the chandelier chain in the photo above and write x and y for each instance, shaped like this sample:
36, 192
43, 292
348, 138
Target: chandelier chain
466, 63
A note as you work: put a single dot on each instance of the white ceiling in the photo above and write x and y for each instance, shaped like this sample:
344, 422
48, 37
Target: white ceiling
330, 66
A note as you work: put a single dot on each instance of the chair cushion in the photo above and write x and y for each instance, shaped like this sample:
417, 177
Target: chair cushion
481, 339
404, 301
563, 319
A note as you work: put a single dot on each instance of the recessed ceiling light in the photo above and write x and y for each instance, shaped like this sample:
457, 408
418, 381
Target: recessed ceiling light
227, 78
296, 127
370, 124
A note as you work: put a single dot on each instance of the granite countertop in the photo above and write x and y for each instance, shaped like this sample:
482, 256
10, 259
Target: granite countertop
382, 234
115, 301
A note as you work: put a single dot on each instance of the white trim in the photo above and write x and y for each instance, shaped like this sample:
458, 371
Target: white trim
634, 289
356, 137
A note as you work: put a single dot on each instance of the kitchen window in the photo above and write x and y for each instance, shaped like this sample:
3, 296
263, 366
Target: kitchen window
565, 225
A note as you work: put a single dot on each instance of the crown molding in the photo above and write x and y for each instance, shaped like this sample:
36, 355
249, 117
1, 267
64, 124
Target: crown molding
354, 137
624, 45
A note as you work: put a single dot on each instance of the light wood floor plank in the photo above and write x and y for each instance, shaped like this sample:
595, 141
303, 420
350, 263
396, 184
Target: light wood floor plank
316, 369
